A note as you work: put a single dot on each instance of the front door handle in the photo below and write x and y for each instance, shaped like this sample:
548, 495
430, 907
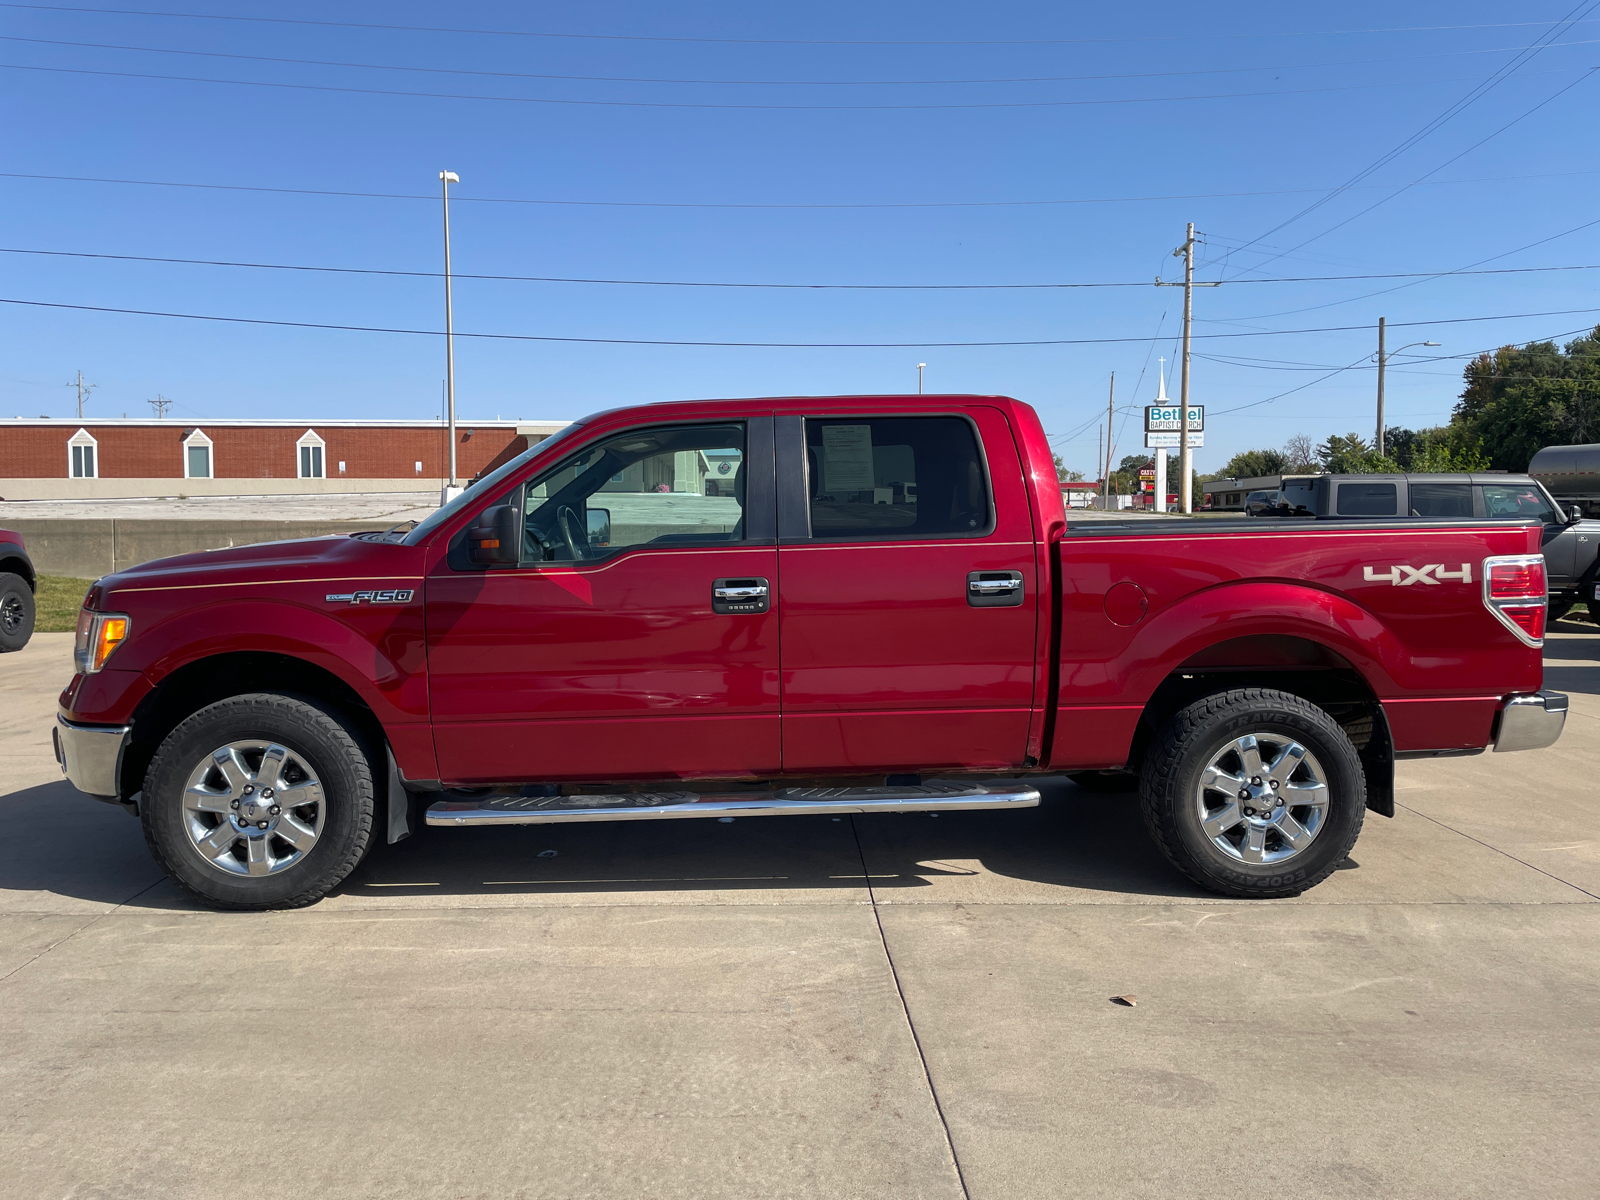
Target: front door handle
740, 596
994, 589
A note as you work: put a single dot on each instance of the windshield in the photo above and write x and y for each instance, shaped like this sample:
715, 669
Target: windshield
488, 483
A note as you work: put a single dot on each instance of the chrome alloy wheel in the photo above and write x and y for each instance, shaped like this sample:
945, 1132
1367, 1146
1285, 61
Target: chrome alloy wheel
253, 808
1262, 798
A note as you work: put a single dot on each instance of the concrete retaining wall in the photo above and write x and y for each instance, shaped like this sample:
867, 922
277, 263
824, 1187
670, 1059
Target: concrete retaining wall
88, 549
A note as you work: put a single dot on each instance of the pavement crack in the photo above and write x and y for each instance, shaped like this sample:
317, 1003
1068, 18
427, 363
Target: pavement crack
1547, 874
905, 1011
91, 921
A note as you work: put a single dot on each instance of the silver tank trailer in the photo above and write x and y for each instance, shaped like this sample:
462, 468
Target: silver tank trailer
1572, 474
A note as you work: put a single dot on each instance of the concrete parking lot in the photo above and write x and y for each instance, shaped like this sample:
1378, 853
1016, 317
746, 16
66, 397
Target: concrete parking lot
893, 1006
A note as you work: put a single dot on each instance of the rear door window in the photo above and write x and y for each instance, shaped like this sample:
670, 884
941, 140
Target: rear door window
1441, 499
896, 477
1368, 500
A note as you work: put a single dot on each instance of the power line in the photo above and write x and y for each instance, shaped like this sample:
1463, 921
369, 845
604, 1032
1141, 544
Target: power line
653, 79
622, 37
234, 187
1469, 269
530, 337
1498, 77
685, 283
686, 104
1407, 187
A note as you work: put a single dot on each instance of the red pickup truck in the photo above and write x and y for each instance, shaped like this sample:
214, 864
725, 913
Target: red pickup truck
796, 606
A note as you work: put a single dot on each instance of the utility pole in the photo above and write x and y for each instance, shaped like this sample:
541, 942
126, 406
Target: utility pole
1377, 441
160, 404
919, 377
446, 178
1185, 457
83, 392
1099, 462
1383, 362
1111, 404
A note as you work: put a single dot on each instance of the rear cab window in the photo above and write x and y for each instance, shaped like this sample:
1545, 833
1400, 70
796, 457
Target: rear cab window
896, 477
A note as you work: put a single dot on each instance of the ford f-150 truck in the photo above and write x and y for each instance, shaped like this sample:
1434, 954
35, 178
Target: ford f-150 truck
796, 606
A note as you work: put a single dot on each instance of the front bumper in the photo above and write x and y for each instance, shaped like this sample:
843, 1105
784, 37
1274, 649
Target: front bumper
1530, 721
91, 756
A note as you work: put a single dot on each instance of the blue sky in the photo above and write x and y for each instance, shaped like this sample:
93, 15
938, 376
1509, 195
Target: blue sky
1250, 111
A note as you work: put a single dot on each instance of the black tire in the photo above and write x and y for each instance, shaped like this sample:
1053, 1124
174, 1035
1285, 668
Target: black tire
316, 735
1169, 786
1105, 782
16, 612
1560, 606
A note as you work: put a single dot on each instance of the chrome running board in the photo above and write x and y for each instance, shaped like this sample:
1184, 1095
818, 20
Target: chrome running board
934, 796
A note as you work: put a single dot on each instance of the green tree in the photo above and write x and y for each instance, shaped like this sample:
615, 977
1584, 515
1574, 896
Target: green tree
1442, 448
1522, 398
1064, 474
1249, 464
1352, 455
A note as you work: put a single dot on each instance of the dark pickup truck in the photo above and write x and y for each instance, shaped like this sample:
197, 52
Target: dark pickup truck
17, 583
798, 606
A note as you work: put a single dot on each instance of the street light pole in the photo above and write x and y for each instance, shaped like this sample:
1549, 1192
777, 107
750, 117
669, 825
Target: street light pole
1383, 362
446, 178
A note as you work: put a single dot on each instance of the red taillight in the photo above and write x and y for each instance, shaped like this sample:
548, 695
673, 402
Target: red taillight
1514, 590
1515, 578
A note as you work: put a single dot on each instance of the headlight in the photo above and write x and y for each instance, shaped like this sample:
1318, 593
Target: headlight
98, 635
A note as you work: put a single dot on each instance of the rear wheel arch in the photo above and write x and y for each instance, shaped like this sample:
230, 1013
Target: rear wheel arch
205, 681
1299, 666
13, 564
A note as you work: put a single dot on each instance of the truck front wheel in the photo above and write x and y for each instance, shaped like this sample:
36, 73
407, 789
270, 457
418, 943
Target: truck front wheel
1253, 793
259, 801
16, 612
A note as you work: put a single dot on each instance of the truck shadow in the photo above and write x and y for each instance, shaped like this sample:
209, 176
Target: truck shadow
54, 840
1074, 840
1572, 664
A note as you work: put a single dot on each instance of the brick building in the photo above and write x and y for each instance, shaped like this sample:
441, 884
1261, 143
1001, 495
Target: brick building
56, 458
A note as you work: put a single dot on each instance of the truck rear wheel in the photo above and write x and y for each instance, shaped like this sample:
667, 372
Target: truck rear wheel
1253, 793
259, 801
16, 612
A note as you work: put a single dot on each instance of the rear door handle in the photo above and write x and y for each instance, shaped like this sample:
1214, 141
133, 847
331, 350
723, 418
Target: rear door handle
994, 589
733, 596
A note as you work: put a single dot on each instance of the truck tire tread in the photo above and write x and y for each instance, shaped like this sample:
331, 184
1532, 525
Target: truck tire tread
1170, 761
315, 720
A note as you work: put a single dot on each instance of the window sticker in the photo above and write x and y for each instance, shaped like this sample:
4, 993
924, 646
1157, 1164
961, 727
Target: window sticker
847, 458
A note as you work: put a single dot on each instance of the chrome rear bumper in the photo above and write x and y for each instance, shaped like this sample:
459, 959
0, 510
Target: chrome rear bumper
1531, 721
91, 756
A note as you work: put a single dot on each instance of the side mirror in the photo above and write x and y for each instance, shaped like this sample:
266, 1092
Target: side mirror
1575, 514
599, 527
496, 536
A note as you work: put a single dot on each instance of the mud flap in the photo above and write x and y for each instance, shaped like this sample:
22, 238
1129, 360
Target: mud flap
400, 804
1377, 761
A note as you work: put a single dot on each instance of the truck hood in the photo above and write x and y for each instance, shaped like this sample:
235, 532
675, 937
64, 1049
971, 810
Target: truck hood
340, 555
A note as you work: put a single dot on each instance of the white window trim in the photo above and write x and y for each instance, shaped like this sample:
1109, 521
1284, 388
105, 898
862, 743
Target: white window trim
199, 438
83, 438
310, 438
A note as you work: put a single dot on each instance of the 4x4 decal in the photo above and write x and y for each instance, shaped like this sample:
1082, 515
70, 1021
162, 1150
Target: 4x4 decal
1403, 576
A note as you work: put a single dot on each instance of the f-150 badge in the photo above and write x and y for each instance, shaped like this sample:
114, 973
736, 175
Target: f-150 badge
387, 596
1403, 576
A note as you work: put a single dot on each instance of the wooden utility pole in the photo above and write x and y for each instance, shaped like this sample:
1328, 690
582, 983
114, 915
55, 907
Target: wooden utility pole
1111, 404
1377, 442
1185, 457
